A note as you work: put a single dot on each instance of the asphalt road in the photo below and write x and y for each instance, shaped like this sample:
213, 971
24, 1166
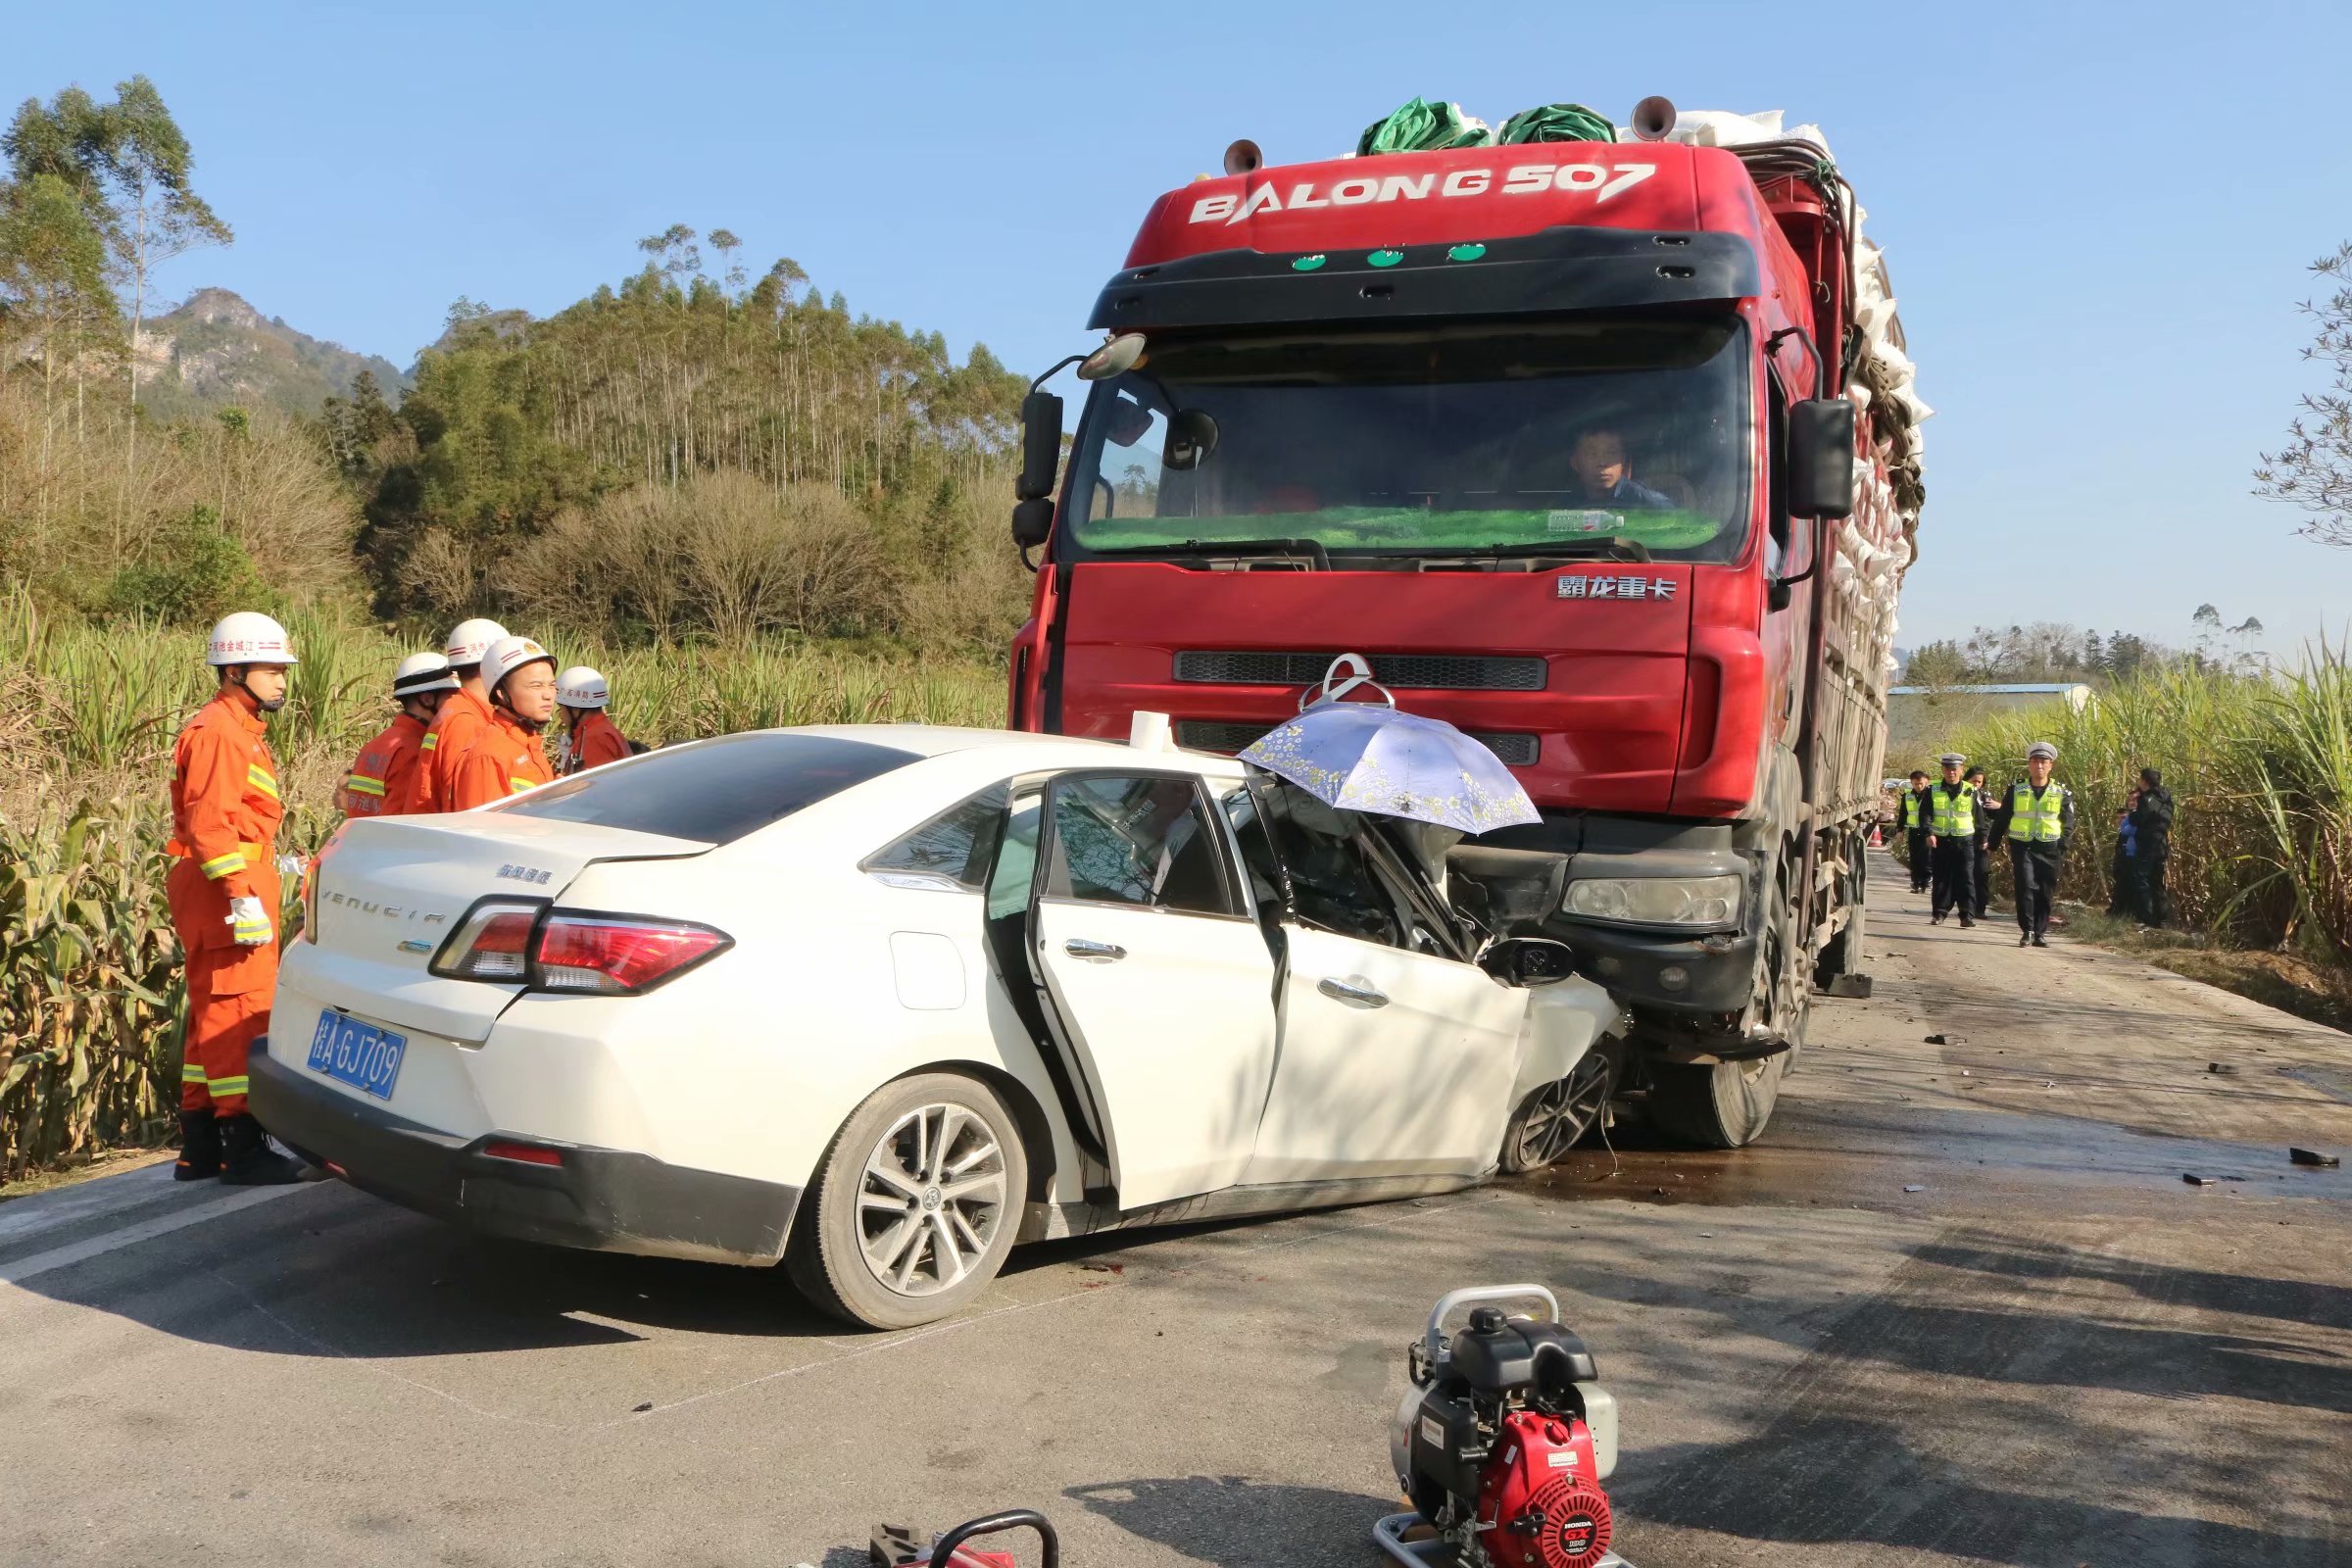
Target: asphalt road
2053, 1352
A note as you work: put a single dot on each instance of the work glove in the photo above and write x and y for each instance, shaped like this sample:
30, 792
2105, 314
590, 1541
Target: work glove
248, 921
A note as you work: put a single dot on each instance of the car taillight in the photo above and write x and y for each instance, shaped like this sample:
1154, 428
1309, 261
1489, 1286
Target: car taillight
494, 943
612, 954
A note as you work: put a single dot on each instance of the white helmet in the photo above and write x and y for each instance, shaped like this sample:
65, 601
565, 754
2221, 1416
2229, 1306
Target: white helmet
470, 642
420, 673
249, 637
508, 655
582, 687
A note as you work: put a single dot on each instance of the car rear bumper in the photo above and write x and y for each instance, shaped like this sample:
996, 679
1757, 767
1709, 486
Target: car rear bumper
605, 1200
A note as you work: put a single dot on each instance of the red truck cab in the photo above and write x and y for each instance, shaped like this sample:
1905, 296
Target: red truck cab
1555, 435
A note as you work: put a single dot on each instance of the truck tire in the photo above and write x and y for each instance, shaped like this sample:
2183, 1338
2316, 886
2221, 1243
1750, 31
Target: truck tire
848, 1255
1842, 955
1727, 1104
1724, 1105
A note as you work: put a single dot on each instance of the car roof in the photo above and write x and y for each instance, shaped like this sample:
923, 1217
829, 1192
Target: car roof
1048, 751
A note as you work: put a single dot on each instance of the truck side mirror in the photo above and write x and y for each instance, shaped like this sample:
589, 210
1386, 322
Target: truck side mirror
1041, 446
1032, 521
1821, 458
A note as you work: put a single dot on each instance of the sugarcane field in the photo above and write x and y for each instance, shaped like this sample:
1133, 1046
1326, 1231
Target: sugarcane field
1334, 851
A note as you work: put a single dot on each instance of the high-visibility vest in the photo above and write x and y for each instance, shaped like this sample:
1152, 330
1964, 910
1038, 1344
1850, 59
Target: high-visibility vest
1955, 810
1911, 810
2035, 819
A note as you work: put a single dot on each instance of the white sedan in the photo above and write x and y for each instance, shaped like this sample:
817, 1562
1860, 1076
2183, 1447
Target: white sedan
877, 1002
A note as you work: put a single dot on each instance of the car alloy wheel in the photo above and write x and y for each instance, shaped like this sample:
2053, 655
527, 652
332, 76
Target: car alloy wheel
933, 1197
1551, 1120
918, 1201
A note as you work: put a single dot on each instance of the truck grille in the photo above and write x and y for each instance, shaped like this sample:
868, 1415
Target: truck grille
1210, 735
1452, 672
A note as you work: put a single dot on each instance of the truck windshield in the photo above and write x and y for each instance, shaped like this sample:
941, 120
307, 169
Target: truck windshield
1447, 441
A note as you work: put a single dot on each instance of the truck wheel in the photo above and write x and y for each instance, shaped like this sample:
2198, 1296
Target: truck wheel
1723, 1106
1554, 1117
916, 1206
1842, 955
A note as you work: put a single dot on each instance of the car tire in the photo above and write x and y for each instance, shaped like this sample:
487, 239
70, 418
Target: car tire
1555, 1117
852, 1260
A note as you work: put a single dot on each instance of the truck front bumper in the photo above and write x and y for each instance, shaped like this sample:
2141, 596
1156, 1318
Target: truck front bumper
1665, 973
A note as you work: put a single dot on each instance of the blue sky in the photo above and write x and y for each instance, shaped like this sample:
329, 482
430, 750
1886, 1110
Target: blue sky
2097, 217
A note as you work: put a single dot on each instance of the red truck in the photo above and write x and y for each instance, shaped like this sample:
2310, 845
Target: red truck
1603, 453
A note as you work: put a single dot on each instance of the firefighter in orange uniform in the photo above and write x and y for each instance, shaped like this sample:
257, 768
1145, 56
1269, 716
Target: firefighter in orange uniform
383, 780
506, 757
590, 739
465, 713
223, 890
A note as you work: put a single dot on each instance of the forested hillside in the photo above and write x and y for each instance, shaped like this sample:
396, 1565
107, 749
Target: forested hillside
691, 452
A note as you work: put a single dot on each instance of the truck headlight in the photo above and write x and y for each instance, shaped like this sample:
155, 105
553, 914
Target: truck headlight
1698, 901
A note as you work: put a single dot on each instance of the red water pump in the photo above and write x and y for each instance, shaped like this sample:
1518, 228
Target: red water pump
1503, 1441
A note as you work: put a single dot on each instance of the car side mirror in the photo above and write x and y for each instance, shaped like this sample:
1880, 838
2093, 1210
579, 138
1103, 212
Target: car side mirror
1041, 446
1821, 458
1528, 960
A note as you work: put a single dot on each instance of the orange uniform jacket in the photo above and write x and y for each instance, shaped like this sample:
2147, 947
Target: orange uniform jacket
224, 819
463, 717
593, 741
505, 759
383, 780
224, 815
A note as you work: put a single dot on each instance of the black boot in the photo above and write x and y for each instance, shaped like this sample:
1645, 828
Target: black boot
199, 1147
246, 1157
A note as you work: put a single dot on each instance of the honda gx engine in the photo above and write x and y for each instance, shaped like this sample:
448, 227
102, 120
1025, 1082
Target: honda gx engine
1505, 1440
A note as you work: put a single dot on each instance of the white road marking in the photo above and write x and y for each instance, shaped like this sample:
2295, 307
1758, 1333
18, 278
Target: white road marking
25, 1217
57, 1257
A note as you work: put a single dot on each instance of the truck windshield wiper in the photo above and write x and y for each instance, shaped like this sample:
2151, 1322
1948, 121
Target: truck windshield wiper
1613, 547
1312, 548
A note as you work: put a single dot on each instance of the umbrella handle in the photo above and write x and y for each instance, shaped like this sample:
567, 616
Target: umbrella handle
1348, 672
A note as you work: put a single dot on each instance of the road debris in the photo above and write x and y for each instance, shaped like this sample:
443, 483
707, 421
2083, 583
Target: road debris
2219, 1066
2312, 1156
1913, 1187
1935, 1040
2195, 1180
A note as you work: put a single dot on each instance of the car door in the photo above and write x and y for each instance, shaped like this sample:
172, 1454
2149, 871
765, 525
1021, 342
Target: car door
1397, 1057
1159, 986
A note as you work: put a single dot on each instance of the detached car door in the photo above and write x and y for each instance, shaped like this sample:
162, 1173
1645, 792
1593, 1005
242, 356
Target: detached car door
1159, 986
1398, 1056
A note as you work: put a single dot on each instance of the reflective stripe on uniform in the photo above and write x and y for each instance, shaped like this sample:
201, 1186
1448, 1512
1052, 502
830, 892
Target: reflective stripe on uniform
2036, 819
1955, 814
1911, 810
220, 866
362, 784
432, 743
191, 1073
229, 1086
515, 786
261, 780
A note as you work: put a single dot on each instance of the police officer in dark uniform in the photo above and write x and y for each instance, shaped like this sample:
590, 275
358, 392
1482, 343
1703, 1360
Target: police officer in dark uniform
1985, 811
2035, 819
1915, 830
2152, 846
1952, 843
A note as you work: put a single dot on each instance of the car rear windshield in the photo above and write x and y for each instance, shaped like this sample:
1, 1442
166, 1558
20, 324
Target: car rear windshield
715, 791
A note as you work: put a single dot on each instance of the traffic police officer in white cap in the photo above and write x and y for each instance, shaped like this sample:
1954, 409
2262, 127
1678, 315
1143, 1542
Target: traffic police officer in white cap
1951, 809
2037, 818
